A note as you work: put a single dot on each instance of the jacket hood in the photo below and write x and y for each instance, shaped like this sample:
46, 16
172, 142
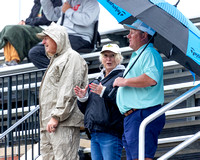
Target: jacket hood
59, 35
118, 67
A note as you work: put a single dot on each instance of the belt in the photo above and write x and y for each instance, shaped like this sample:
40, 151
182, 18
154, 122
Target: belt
129, 112
133, 110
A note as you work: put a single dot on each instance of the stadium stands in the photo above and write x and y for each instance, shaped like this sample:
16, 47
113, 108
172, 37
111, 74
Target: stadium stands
182, 121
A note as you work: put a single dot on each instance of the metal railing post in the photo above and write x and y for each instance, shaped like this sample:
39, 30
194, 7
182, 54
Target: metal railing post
158, 113
2, 105
12, 94
9, 108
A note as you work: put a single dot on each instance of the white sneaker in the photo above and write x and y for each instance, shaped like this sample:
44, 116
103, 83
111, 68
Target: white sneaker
11, 63
6, 64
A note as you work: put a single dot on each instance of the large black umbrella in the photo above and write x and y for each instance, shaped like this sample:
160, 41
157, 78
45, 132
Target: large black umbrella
177, 37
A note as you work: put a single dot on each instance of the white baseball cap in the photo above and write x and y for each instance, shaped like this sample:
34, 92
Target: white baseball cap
111, 47
139, 25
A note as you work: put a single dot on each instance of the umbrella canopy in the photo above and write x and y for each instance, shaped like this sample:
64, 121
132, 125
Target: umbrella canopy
177, 37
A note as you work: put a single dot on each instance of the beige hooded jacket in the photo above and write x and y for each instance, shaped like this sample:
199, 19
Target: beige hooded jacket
66, 70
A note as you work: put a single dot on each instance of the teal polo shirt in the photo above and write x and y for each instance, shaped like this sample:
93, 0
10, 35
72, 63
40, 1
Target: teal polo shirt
150, 63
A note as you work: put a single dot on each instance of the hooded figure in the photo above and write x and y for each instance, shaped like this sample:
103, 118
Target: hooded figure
60, 118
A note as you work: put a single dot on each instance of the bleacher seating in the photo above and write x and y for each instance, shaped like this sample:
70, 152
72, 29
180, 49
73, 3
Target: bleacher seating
181, 122
164, 144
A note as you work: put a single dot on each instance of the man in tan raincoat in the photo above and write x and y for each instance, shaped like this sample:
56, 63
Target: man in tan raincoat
60, 118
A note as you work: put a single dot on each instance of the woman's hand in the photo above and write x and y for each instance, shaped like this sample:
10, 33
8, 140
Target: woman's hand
95, 88
80, 92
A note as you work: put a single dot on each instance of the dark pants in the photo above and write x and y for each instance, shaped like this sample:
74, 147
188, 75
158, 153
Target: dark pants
131, 132
38, 56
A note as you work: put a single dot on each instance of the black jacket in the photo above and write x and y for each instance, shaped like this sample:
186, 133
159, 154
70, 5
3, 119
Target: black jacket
33, 18
102, 113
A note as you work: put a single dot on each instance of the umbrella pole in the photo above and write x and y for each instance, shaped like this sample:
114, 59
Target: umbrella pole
62, 19
177, 3
114, 90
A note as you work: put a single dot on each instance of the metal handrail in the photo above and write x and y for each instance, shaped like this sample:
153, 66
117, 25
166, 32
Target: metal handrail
158, 113
19, 122
180, 146
7, 136
21, 73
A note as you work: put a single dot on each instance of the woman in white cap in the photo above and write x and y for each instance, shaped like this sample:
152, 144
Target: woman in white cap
102, 117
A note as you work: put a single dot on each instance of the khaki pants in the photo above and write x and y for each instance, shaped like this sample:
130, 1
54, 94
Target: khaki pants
60, 145
10, 53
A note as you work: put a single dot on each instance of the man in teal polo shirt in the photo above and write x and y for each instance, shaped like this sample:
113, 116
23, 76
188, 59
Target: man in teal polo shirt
141, 92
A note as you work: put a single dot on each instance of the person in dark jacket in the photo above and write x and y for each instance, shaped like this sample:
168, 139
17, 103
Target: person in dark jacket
101, 115
17, 40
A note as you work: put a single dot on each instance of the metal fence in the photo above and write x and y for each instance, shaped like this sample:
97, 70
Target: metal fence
156, 114
18, 98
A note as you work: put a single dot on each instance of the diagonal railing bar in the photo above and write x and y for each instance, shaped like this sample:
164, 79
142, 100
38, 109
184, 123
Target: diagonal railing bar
180, 146
19, 122
158, 113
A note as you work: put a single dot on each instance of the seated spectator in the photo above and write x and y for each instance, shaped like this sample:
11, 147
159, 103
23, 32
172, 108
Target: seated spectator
17, 40
78, 16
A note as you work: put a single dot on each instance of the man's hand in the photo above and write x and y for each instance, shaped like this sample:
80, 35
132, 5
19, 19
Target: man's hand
52, 125
65, 7
119, 82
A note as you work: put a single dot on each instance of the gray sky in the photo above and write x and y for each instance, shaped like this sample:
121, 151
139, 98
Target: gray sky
11, 12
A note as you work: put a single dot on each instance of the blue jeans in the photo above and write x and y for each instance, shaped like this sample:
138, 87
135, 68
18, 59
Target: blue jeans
105, 146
